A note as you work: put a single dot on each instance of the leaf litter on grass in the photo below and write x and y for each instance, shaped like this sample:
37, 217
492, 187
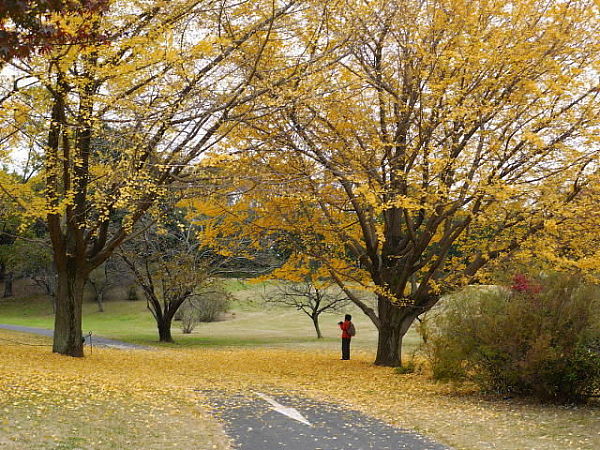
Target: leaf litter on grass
164, 387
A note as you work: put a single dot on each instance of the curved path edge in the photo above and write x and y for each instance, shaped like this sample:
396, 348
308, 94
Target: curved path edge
96, 340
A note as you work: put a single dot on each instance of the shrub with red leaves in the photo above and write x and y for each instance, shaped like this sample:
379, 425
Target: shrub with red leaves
525, 285
528, 341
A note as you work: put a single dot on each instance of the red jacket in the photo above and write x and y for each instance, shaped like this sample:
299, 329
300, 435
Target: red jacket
344, 326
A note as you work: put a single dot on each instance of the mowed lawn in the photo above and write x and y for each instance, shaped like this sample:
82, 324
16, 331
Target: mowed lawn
153, 399
250, 322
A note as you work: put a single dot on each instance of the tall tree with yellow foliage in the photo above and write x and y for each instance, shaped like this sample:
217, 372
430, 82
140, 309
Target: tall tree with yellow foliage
451, 133
118, 123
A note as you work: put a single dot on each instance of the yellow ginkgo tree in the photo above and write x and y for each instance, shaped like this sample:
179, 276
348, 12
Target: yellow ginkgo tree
450, 133
120, 122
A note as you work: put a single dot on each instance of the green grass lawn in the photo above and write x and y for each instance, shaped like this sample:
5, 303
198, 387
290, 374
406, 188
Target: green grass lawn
249, 322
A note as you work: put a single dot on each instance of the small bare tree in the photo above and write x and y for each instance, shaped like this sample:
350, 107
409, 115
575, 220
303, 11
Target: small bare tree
169, 267
105, 277
310, 297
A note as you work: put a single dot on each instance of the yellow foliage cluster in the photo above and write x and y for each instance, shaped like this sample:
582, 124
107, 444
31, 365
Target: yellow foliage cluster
449, 135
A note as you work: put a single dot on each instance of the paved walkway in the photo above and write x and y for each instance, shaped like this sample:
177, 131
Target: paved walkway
96, 340
260, 421
264, 421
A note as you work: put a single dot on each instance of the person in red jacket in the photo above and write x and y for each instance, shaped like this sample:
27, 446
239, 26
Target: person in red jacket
347, 332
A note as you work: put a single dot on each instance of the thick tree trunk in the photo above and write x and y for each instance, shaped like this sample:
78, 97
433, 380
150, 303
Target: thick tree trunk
315, 320
8, 285
394, 324
67, 320
388, 346
164, 329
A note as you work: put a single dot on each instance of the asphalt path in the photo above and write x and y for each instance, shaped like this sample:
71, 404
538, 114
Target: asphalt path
260, 421
97, 341
264, 421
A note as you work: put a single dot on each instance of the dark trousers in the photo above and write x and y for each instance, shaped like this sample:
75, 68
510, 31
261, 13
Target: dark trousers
346, 348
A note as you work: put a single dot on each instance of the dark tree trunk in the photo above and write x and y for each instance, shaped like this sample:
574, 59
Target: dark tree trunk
164, 328
388, 346
67, 320
315, 320
8, 285
98, 295
100, 302
394, 323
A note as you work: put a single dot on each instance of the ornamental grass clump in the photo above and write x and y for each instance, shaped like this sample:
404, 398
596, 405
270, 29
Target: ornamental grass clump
540, 337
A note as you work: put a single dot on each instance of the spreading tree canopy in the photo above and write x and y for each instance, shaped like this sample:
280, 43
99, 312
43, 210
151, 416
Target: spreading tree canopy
169, 82
447, 135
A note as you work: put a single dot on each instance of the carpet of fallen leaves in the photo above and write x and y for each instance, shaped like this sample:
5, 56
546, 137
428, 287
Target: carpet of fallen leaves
156, 385
111, 399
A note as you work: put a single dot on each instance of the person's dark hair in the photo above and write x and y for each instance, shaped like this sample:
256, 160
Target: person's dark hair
347, 317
